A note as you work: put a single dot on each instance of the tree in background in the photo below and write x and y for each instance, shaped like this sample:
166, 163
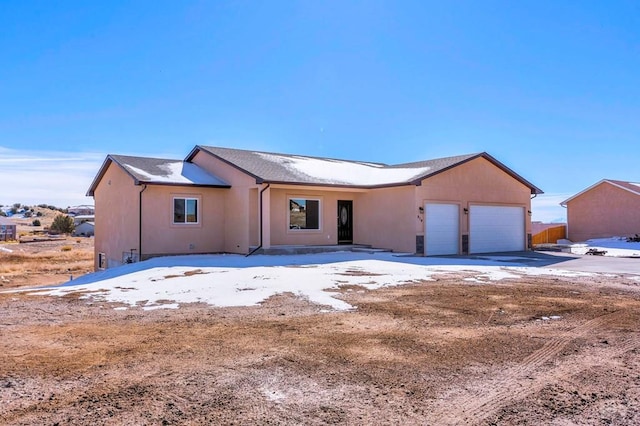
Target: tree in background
62, 224
36, 223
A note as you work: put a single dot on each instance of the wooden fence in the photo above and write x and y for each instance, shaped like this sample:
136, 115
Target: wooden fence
550, 235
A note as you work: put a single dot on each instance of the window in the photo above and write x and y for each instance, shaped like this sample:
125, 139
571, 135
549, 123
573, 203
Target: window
185, 210
102, 261
304, 214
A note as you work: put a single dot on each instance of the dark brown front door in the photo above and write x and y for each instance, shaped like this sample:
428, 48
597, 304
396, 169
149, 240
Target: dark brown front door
345, 222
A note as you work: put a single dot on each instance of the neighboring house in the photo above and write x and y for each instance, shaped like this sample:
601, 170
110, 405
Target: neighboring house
77, 220
237, 201
85, 229
608, 208
7, 229
84, 209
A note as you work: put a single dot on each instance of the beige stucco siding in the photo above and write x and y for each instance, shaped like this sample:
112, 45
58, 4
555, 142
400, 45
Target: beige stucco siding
241, 211
603, 211
385, 217
116, 221
162, 236
327, 234
477, 182
117, 201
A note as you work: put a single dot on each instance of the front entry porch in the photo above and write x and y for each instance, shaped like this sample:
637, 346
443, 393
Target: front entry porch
304, 249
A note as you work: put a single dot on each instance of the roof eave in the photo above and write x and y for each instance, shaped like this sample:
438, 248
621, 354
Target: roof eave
610, 182
199, 185
341, 185
101, 172
198, 148
534, 189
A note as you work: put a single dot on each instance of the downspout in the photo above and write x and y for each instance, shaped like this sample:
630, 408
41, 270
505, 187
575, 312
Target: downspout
261, 229
140, 223
530, 235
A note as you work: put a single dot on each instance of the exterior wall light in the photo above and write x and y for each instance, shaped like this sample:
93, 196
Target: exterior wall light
466, 210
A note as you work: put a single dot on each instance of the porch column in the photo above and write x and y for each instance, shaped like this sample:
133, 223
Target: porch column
266, 219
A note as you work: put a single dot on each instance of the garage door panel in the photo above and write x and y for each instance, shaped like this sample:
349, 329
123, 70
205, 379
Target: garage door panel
442, 229
496, 228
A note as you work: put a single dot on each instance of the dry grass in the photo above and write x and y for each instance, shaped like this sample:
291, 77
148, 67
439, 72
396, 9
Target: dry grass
45, 263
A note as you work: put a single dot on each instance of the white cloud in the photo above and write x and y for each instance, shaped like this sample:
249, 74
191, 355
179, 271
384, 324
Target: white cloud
546, 208
49, 177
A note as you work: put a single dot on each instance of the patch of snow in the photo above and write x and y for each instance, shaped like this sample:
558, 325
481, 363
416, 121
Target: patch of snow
549, 318
178, 172
6, 250
236, 280
614, 247
273, 395
345, 172
163, 306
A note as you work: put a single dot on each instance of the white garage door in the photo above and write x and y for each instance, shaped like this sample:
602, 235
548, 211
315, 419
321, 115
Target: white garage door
496, 228
441, 234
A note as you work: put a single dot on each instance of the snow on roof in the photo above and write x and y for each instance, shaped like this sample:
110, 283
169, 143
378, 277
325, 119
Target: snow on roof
268, 167
159, 170
341, 172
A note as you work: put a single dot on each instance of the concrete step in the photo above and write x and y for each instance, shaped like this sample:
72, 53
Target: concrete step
281, 250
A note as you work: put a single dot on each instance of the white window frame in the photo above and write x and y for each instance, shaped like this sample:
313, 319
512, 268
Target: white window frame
306, 198
173, 210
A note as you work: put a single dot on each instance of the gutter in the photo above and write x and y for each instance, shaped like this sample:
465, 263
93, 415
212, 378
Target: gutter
140, 223
261, 222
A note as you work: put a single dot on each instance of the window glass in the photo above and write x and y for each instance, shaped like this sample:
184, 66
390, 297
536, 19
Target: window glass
192, 210
185, 210
304, 214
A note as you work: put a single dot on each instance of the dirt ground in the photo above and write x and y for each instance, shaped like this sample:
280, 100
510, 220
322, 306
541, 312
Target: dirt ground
531, 351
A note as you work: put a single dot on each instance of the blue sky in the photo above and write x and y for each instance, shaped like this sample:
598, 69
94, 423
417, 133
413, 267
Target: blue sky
551, 89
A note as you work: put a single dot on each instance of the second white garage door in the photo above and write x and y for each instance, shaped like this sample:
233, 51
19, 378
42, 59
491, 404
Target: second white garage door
496, 228
441, 233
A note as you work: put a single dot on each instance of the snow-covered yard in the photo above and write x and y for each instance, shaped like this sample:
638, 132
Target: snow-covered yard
234, 280
615, 246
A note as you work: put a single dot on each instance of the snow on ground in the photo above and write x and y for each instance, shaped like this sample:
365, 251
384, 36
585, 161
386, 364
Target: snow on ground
234, 280
615, 246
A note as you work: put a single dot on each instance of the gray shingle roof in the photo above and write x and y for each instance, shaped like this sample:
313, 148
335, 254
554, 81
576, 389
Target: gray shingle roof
270, 167
160, 171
